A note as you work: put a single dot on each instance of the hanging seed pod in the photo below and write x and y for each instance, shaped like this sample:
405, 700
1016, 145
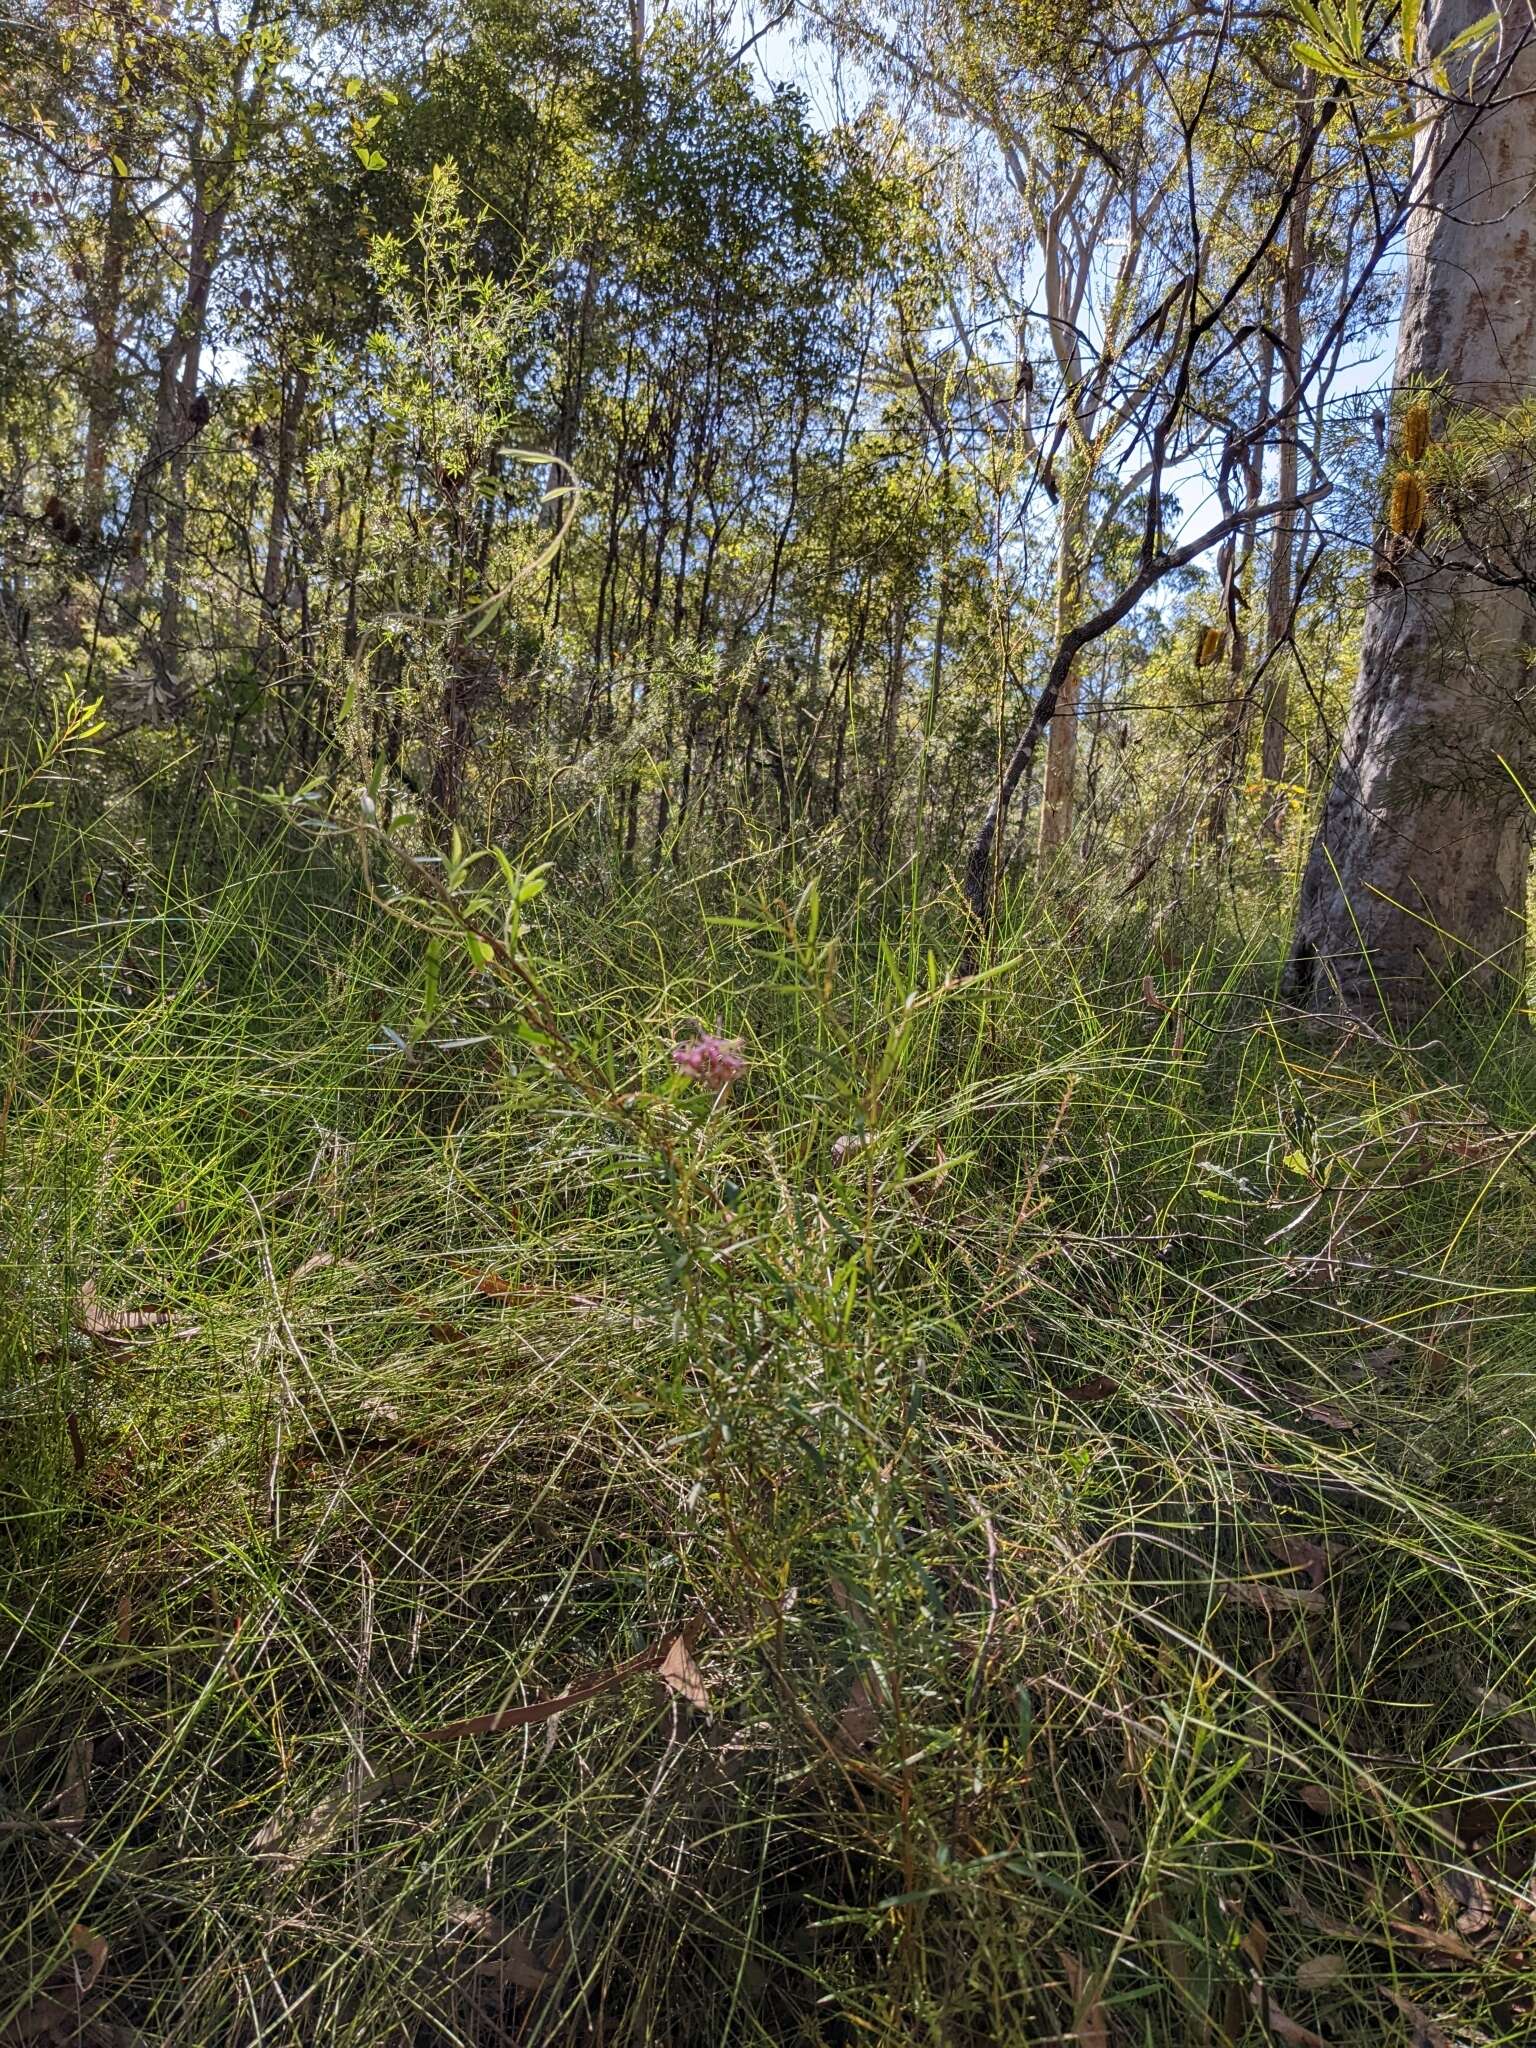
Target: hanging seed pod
1212, 641
1405, 515
1416, 431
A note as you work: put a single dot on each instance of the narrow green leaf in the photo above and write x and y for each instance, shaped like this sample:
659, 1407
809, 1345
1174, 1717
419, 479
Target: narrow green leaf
1478, 32
1322, 32
1408, 28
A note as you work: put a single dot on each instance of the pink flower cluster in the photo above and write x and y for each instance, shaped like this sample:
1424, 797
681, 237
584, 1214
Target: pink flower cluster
713, 1062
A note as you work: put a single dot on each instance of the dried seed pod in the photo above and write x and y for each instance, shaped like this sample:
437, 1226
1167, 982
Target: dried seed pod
1212, 641
1405, 515
1416, 431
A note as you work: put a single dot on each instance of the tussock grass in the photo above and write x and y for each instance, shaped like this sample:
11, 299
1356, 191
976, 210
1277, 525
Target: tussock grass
1081, 1420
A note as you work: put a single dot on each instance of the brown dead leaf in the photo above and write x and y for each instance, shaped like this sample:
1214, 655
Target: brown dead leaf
504, 1956
491, 1285
1281, 2025
1273, 1599
1317, 1798
1317, 1973
1329, 1416
1426, 2034
44, 2018
1381, 1358
1097, 1387
1470, 1896
84, 1942
682, 1677
55, 2014
1090, 2026
844, 1602
859, 1723
1302, 1555
513, 1963
75, 1799
1500, 1707
1439, 1939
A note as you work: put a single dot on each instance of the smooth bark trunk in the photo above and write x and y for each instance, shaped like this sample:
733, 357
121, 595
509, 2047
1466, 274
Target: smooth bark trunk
106, 320
1417, 877
295, 393
1058, 803
1281, 583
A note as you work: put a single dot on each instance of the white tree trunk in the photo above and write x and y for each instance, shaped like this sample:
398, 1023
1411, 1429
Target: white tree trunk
1417, 878
1280, 596
1059, 804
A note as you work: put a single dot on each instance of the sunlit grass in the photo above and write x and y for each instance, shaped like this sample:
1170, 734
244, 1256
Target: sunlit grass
1082, 1422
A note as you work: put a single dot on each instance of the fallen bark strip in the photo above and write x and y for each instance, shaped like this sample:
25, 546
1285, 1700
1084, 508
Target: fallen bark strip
538, 1711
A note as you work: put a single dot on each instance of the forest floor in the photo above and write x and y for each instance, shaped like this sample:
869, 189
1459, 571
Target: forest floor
1014, 1524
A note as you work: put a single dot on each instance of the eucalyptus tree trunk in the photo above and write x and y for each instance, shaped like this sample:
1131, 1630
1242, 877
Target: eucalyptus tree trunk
1058, 805
295, 392
176, 423
1417, 876
1280, 593
106, 325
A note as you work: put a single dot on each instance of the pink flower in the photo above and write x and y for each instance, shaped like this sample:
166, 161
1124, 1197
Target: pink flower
713, 1062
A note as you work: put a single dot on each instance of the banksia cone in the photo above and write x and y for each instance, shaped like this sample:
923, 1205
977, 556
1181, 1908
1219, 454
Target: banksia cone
1405, 515
1416, 431
1212, 640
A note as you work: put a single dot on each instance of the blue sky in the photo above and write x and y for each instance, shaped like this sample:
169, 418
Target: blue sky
834, 91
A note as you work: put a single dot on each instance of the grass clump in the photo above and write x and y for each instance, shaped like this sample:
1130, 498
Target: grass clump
1028, 1490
